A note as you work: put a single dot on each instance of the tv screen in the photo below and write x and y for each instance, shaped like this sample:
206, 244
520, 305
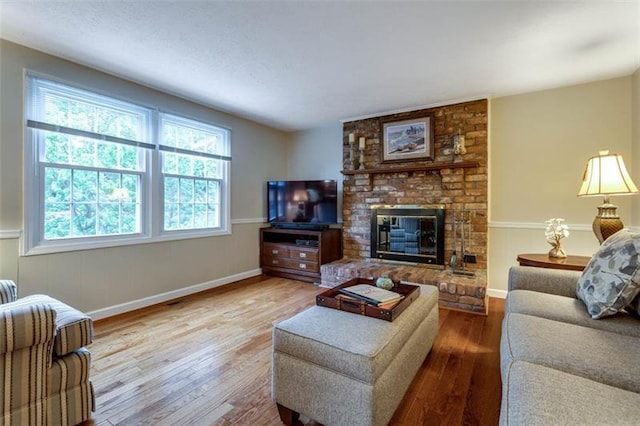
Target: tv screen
302, 202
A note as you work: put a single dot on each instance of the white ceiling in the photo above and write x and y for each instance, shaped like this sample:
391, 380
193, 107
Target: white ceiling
297, 65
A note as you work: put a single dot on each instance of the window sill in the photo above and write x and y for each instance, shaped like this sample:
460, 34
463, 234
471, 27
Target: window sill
69, 246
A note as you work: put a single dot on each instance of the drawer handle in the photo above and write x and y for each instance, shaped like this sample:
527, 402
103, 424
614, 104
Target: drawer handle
274, 252
274, 261
303, 255
303, 266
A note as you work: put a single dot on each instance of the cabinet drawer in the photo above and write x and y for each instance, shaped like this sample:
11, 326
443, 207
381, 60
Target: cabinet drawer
281, 262
308, 255
276, 250
299, 265
303, 265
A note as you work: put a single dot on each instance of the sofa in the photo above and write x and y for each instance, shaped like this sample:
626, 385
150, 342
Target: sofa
559, 365
44, 363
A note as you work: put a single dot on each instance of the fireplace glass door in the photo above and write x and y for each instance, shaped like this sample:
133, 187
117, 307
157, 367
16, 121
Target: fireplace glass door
407, 236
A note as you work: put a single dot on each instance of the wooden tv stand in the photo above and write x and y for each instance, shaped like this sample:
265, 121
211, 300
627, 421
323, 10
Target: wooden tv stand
298, 253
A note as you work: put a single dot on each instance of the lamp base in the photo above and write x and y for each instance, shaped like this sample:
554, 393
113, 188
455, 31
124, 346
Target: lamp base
607, 222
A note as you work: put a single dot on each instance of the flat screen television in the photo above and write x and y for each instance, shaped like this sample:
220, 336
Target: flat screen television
302, 203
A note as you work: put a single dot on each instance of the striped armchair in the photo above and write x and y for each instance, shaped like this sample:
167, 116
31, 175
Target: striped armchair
44, 365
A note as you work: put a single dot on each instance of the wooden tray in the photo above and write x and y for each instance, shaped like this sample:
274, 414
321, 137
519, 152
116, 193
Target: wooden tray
328, 299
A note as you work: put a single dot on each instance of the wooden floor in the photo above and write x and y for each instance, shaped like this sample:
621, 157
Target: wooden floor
206, 360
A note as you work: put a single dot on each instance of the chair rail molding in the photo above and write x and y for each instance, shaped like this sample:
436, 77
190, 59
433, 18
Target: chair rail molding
248, 220
10, 234
537, 226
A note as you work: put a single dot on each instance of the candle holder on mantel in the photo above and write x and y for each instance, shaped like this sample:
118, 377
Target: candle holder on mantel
350, 160
361, 166
361, 145
458, 144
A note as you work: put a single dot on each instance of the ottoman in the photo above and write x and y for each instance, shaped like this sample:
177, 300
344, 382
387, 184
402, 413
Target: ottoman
340, 368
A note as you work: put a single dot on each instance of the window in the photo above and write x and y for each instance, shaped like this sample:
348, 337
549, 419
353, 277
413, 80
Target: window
89, 180
194, 168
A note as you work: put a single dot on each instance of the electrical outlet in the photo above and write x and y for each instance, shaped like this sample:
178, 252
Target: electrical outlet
470, 258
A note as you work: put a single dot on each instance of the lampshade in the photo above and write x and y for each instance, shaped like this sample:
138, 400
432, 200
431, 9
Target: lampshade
606, 175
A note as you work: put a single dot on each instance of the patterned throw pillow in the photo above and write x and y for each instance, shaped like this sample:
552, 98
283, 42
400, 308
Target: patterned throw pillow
611, 280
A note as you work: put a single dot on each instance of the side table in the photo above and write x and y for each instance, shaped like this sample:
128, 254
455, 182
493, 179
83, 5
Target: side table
542, 260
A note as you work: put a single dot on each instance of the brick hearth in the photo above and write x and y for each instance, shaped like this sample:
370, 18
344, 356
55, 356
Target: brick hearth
456, 291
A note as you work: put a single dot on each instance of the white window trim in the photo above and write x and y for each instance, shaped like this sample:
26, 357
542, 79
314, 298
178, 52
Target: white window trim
225, 206
152, 211
225, 216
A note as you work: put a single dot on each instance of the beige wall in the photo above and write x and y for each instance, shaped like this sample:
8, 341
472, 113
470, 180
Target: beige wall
540, 143
317, 154
98, 280
635, 148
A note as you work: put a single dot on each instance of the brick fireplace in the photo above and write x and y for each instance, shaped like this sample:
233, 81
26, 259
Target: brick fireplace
457, 181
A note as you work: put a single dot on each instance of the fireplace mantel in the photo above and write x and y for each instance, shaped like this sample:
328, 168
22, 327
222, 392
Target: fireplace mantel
420, 168
410, 169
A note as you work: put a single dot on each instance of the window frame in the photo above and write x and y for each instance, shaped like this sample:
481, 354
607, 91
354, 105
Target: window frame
224, 227
151, 196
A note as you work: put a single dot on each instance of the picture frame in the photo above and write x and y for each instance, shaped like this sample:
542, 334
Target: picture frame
407, 139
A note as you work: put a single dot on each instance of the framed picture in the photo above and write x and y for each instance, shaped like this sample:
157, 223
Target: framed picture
409, 139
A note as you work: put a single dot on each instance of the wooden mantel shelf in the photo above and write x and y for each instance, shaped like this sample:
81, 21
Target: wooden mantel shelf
423, 167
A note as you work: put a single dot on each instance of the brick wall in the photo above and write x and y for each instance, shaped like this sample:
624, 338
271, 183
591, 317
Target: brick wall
455, 188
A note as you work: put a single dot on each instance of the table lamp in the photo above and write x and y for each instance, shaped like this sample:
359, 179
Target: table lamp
605, 174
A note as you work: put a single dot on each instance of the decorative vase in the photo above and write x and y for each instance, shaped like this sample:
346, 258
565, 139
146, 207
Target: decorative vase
384, 282
557, 251
555, 231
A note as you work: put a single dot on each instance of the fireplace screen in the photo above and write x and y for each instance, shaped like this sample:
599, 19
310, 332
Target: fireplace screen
408, 233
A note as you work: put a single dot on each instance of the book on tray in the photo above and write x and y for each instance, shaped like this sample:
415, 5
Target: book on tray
371, 294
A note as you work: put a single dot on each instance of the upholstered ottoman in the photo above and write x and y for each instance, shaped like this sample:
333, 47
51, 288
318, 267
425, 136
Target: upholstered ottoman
340, 368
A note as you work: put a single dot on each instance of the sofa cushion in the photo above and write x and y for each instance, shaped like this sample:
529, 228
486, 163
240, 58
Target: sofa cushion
537, 395
543, 280
609, 358
569, 310
366, 346
611, 279
74, 329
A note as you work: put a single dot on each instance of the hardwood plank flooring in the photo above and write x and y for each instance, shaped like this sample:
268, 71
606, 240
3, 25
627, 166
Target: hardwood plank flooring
206, 360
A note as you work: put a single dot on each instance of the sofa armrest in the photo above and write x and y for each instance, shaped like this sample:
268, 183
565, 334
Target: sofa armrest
29, 325
8, 291
26, 340
543, 280
74, 329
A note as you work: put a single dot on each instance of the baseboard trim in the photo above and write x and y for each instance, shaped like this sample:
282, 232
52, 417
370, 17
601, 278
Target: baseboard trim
500, 294
170, 295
